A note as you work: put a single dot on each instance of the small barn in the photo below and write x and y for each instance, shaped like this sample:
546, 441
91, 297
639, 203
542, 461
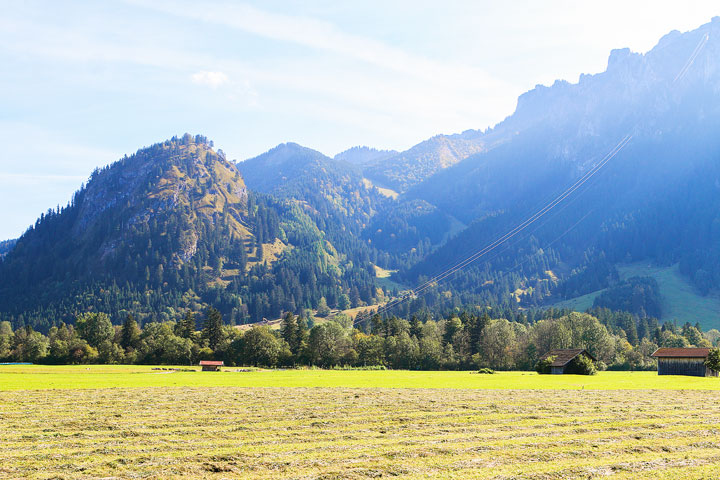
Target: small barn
211, 365
683, 361
564, 359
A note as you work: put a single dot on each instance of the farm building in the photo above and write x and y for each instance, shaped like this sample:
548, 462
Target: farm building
563, 361
211, 365
683, 361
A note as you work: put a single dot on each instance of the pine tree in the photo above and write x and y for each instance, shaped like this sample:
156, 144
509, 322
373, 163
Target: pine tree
377, 326
213, 328
186, 327
476, 326
415, 327
323, 309
289, 331
130, 333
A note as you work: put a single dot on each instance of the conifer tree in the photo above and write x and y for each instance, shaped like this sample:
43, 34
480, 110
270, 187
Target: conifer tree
415, 327
323, 309
289, 331
377, 326
186, 327
130, 333
213, 328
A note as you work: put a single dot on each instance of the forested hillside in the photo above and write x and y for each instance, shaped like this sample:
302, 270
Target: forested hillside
6, 246
176, 227
656, 200
170, 228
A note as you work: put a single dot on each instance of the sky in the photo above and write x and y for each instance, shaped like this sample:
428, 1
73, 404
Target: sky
84, 82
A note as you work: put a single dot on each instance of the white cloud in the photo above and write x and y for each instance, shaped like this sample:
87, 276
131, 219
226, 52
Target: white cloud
325, 36
210, 79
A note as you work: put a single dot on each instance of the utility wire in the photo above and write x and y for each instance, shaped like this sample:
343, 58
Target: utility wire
540, 213
513, 232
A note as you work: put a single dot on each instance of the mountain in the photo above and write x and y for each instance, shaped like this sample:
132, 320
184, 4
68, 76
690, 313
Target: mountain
169, 228
364, 156
176, 226
360, 219
332, 192
6, 246
408, 168
657, 200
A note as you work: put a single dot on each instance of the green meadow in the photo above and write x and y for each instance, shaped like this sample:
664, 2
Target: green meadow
680, 300
40, 377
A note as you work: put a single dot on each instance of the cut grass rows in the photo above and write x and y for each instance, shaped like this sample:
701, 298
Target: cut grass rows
358, 433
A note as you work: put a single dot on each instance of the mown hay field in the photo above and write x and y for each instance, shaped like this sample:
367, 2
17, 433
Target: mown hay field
219, 432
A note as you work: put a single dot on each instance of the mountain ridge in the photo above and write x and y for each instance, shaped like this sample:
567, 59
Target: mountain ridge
291, 227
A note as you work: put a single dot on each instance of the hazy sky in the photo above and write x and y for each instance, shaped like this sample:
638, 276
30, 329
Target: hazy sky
83, 83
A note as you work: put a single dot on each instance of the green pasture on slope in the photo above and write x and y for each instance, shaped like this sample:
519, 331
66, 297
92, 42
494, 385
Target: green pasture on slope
39, 377
681, 301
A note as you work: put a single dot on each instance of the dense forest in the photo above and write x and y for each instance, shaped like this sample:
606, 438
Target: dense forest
463, 341
178, 227
173, 227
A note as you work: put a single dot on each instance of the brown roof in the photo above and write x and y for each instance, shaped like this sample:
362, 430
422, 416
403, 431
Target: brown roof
682, 352
563, 357
218, 363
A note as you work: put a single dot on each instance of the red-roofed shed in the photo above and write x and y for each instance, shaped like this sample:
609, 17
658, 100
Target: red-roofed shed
211, 365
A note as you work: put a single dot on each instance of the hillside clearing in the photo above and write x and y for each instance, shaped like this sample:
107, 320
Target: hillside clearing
680, 300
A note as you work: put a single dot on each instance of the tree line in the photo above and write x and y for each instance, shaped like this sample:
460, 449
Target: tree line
458, 341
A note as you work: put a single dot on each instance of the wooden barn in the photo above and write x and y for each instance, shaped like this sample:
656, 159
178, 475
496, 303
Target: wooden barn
564, 358
211, 365
683, 361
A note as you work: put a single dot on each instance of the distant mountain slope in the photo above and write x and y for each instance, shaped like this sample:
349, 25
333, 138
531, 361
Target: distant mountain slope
355, 216
405, 169
658, 199
6, 246
332, 192
364, 156
681, 301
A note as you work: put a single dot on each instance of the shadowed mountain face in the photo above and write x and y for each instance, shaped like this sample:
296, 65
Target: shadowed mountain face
657, 199
176, 226
6, 246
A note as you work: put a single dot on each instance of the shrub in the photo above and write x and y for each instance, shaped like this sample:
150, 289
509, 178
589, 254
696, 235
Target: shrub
581, 365
486, 371
713, 359
543, 366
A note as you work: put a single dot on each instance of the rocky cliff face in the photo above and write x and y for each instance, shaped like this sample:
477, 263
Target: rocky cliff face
661, 186
186, 176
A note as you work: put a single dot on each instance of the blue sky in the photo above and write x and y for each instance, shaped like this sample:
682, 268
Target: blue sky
83, 83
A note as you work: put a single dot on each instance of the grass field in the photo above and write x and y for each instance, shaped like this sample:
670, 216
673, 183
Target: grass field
39, 377
256, 425
681, 300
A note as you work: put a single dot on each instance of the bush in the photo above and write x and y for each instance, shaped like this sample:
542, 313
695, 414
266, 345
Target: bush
486, 371
581, 365
713, 359
543, 366
366, 367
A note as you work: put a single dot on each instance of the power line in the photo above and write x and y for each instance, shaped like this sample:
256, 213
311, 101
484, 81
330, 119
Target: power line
522, 226
513, 232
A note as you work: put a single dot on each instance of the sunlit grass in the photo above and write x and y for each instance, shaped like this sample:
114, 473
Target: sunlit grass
123, 376
354, 433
